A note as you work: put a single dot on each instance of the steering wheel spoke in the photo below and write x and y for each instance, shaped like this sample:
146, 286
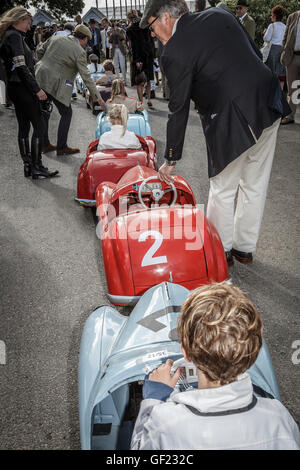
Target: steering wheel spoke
156, 193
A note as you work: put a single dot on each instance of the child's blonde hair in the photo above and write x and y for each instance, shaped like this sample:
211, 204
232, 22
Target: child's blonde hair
119, 112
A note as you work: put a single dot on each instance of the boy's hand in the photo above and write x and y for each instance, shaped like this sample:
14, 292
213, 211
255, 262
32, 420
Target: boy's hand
163, 374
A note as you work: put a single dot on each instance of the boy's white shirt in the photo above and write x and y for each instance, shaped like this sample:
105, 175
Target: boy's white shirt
172, 425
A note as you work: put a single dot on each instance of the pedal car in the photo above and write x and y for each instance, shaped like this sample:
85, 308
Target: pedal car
145, 225
137, 123
88, 98
110, 165
80, 85
116, 353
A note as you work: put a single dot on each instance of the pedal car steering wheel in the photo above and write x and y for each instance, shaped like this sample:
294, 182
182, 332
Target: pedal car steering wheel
157, 193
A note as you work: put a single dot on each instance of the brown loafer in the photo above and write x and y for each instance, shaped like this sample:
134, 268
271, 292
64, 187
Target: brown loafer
287, 120
49, 148
242, 257
149, 103
67, 151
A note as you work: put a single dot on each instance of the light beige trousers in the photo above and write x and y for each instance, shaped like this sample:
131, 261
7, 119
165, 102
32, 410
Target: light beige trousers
246, 178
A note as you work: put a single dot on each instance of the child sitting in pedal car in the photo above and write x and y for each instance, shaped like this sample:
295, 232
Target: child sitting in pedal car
104, 82
118, 137
119, 96
220, 331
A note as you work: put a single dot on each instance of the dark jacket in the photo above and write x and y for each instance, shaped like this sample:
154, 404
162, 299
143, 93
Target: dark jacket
212, 60
98, 44
116, 37
141, 43
18, 60
141, 46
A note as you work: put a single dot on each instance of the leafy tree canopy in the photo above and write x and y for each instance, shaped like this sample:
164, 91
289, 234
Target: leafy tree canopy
260, 10
57, 8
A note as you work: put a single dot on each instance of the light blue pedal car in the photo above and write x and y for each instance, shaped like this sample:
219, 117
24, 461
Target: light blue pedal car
80, 85
117, 352
137, 123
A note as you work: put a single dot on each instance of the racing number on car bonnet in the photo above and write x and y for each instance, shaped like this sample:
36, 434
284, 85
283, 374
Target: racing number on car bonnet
148, 259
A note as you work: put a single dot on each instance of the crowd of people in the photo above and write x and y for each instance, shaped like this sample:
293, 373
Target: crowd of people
241, 108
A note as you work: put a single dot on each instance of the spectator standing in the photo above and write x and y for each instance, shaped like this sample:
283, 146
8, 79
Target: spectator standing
290, 58
23, 89
68, 29
240, 108
95, 43
142, 54
220, 332
38, 36
60, 59
200, 5
164, 81
78, 19
117, 41
246, 20
274, 35
47, 31
104, 37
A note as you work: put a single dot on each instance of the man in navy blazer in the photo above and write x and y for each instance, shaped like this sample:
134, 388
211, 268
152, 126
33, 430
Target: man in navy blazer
209, 57
95, 43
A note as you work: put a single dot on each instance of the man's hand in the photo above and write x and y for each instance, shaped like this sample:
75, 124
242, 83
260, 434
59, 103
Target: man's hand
41, 95
163, 374
164, 173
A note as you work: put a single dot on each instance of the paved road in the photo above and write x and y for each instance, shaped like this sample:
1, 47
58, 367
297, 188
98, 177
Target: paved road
52, 276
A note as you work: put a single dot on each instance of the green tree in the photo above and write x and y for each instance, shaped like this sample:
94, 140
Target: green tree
260, 10
57, 8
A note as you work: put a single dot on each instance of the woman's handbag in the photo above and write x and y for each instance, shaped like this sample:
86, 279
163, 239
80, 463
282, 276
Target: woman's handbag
265, 50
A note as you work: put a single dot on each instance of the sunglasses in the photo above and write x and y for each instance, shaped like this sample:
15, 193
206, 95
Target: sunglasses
150, 25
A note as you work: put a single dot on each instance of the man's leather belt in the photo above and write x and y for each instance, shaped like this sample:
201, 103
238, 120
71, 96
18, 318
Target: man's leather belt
297, 52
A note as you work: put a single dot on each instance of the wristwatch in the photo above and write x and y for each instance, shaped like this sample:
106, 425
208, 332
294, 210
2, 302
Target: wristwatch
171, 162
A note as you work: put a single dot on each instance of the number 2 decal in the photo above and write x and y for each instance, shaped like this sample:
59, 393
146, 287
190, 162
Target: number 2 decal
148, 259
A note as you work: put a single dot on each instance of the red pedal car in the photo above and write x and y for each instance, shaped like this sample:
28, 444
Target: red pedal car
110, 165
152, 232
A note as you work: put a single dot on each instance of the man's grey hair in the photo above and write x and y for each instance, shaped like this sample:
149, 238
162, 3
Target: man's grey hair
175, 9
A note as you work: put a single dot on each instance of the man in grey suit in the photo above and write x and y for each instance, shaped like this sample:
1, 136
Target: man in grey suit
60, 59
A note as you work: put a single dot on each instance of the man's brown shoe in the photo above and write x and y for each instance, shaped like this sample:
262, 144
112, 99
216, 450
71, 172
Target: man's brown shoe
287, 120
49, 148
67, 151
242, 257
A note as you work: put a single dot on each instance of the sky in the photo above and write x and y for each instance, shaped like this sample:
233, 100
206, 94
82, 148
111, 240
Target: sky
101, 3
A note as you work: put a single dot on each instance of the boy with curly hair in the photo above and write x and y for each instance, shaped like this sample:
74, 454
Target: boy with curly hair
220, 331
